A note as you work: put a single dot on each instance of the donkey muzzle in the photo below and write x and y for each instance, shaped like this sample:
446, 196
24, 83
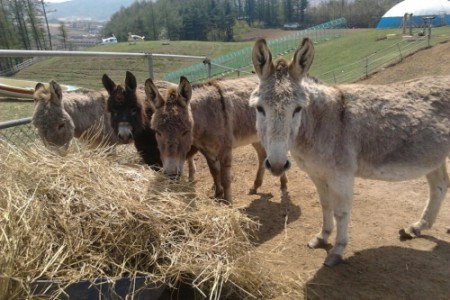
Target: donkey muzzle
277, 169
125, 132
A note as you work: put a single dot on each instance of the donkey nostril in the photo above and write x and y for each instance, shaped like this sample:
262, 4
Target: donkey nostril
287, 165
267, 164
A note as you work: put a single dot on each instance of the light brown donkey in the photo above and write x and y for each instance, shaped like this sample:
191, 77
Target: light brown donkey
216, 120
60, 116
393, 132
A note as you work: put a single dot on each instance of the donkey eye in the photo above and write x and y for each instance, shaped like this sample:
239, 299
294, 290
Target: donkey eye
297, 110
134, 111
158, 133
261, 110
185, 133
61, 126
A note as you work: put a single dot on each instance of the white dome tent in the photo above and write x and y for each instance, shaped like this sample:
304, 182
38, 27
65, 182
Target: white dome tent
440, 9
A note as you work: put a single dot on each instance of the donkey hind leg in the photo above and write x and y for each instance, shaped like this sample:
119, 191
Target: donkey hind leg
225, 174
214, 169
336, 200
261, 152
438, 182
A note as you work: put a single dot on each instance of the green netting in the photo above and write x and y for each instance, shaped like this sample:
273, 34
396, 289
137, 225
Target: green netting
241, 59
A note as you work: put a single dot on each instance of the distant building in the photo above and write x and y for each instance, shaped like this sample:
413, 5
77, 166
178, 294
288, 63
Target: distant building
439, 9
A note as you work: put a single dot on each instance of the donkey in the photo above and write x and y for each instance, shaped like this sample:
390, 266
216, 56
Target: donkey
216, 120
130, 117
81, 114
393, 132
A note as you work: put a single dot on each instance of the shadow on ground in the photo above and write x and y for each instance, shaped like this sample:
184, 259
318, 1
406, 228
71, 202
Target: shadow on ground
412, 274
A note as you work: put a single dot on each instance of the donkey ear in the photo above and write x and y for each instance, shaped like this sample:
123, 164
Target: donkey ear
130, 82
108, 84
262, 59
302, 60
185, 89
152, 93
39, 86
56, 92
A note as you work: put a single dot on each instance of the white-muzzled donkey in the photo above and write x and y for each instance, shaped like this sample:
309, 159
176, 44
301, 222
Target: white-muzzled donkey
392, 132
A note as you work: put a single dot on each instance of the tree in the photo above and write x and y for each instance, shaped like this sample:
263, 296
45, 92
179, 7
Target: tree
63, 34
303, 6
34, 23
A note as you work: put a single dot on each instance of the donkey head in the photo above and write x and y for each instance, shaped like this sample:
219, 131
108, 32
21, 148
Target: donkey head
173, 124
279, 100
127, 113
54, 124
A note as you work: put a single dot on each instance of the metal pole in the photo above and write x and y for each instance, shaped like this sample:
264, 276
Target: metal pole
150, 65
31, 53
12, 123
400, 51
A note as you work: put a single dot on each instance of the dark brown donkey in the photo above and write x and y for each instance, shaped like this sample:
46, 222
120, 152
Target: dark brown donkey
130, 118
216, 120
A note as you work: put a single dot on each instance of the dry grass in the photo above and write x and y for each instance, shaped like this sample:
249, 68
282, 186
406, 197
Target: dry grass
90, 214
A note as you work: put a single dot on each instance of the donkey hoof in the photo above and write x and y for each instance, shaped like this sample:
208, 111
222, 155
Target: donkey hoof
252, 191
409, 233
333, 260
448, 230
223, 201
316, 243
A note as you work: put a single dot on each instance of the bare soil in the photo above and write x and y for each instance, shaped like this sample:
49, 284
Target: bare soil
378, 265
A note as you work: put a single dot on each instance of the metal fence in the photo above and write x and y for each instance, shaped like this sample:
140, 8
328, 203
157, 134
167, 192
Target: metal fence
365, 66
239, 60
18, 132
149, 56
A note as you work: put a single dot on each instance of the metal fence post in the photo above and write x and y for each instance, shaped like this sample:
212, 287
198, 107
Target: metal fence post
400, 51
367, 67
150, 65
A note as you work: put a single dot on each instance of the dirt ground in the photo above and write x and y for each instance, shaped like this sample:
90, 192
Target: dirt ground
378, 265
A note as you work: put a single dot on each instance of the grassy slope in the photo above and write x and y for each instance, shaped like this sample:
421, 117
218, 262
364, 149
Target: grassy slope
87, 72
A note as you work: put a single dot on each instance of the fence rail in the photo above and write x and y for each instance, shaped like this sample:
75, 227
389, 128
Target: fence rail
148, 55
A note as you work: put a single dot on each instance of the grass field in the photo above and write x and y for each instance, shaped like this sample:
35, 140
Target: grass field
351, 46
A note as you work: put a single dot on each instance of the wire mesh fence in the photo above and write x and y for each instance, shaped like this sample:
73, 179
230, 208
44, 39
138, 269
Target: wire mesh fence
365, 66
18, 132
237, 60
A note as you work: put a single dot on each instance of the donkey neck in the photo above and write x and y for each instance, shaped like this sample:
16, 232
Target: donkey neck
323, 118
222, 110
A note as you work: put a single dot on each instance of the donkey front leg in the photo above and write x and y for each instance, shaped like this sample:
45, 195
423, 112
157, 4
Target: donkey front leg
438, 184
261, 152
336, 199
191, 163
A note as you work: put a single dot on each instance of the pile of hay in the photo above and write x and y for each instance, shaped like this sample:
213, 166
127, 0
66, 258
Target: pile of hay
90, 215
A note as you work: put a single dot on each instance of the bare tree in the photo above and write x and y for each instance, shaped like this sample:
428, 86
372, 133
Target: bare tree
63, 33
